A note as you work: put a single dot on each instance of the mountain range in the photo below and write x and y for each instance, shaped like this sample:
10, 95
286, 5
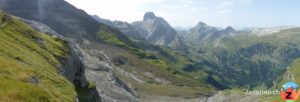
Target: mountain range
105, 64
53, 51
155, 30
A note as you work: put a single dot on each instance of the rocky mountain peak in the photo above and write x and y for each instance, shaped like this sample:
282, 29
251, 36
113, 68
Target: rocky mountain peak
201, 24
229, 29
158, 31
149, 15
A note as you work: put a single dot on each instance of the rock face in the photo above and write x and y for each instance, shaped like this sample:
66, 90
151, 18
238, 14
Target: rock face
128, 30
70, 65
99, 72
158, 32
83, 67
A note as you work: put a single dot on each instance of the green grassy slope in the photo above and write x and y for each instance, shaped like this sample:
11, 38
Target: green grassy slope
162, 62
72, 22
27, 64
293, 70
251, 62
247, 60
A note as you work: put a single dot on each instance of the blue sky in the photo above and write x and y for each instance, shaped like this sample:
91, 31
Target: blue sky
186, 13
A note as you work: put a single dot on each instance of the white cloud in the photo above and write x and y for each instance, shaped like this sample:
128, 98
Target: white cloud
225, 6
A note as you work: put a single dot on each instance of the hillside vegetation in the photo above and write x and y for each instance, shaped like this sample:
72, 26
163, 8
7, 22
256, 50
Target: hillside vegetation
150, 74
28, 61
246, 60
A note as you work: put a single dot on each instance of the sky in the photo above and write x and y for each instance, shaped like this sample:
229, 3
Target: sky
187, 13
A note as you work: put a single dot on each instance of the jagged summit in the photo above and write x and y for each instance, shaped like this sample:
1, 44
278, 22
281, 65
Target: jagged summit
149, 15
158, 31
229, 29
201, 24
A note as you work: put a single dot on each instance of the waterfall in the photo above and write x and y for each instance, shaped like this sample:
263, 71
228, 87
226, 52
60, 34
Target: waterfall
41, 8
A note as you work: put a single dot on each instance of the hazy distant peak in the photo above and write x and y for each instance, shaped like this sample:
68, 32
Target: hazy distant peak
269, 30
229, 29
149, 15
201, 24
102, 20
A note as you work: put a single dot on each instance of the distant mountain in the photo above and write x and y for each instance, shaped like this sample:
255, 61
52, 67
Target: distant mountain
203, 33
126, 28
243, 58
268, 31
152, 29
104, 21
158, 32
181, 28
